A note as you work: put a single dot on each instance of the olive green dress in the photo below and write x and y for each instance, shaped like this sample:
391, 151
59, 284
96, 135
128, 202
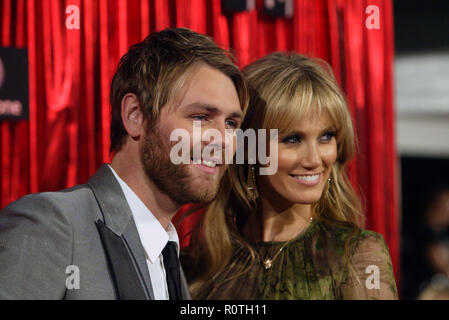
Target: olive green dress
311, 266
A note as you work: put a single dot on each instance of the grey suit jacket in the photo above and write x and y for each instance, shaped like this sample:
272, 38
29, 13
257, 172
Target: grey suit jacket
49, 239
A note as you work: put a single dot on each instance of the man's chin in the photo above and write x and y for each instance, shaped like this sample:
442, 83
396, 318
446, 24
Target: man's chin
203, 192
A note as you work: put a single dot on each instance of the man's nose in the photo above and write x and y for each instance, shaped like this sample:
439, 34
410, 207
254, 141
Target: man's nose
220, 126
214, 137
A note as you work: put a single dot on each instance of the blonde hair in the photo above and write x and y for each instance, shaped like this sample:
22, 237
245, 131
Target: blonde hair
284, 89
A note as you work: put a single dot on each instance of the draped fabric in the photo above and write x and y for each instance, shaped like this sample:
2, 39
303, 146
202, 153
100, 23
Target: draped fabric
304, 268
67, 135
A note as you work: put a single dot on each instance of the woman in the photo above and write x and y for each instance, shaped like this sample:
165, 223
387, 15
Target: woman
294, 234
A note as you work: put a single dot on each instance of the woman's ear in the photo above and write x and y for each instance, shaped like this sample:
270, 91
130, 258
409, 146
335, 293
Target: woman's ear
132, 116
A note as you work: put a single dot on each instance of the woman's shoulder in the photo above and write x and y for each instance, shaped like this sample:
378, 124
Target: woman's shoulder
373, 243
369, 234
340, 233
371, 240
363, 243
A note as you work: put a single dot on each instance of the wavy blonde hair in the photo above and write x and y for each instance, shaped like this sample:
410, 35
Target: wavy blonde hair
284, 89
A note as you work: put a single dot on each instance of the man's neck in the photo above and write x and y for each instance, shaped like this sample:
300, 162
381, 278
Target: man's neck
159, 203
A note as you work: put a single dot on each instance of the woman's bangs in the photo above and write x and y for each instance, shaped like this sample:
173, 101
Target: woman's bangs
289, 110
332, 104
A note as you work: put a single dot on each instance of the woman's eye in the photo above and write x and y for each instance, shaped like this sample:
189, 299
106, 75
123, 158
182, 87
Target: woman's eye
291, 139
326, 137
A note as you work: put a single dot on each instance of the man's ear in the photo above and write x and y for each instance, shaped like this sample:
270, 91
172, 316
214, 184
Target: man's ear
132, 117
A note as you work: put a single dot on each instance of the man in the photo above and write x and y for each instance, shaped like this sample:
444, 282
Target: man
112, 238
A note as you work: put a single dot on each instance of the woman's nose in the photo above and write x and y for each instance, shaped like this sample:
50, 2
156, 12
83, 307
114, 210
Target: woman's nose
311, 158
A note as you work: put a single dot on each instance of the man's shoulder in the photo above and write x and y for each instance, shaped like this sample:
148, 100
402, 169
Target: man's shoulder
64, 205
52, 198
78, 195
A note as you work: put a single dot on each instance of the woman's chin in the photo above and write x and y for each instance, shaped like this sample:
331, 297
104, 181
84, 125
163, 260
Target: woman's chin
307, 199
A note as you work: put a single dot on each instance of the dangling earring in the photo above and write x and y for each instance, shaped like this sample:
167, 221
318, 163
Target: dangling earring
329, 184
252, 192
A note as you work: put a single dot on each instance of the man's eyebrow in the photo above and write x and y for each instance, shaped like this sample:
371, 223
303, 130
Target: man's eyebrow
212, 109
198, 105
236, 115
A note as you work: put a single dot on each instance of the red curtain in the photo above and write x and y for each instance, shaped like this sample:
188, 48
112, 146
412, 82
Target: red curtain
67, 135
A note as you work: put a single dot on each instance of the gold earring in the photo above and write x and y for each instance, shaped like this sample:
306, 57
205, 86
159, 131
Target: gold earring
329, 184
252, 192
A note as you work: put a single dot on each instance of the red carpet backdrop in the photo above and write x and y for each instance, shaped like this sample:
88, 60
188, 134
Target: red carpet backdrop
67, 135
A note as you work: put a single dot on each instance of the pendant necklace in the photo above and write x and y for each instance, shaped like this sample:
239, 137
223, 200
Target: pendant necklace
268, 262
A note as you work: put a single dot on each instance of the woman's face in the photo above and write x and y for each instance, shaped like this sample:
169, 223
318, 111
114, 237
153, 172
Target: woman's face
305, 159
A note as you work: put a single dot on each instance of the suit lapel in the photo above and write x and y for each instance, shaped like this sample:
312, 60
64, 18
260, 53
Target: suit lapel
128, 280
120, 238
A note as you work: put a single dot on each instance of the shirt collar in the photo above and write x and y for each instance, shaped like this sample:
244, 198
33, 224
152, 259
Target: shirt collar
152, 235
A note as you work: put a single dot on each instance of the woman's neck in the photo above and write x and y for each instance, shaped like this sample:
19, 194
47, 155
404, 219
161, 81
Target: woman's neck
274, 223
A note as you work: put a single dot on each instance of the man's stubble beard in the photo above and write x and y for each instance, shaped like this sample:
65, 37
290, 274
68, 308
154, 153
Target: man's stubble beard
173, 180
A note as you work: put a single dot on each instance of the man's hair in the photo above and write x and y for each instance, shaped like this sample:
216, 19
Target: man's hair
154, 70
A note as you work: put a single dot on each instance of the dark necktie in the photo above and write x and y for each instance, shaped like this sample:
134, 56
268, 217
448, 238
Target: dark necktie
171, 265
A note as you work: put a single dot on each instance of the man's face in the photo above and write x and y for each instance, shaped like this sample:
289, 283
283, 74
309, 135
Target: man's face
208, 97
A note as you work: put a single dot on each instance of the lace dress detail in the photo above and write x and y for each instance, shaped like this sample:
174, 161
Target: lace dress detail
311, 266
